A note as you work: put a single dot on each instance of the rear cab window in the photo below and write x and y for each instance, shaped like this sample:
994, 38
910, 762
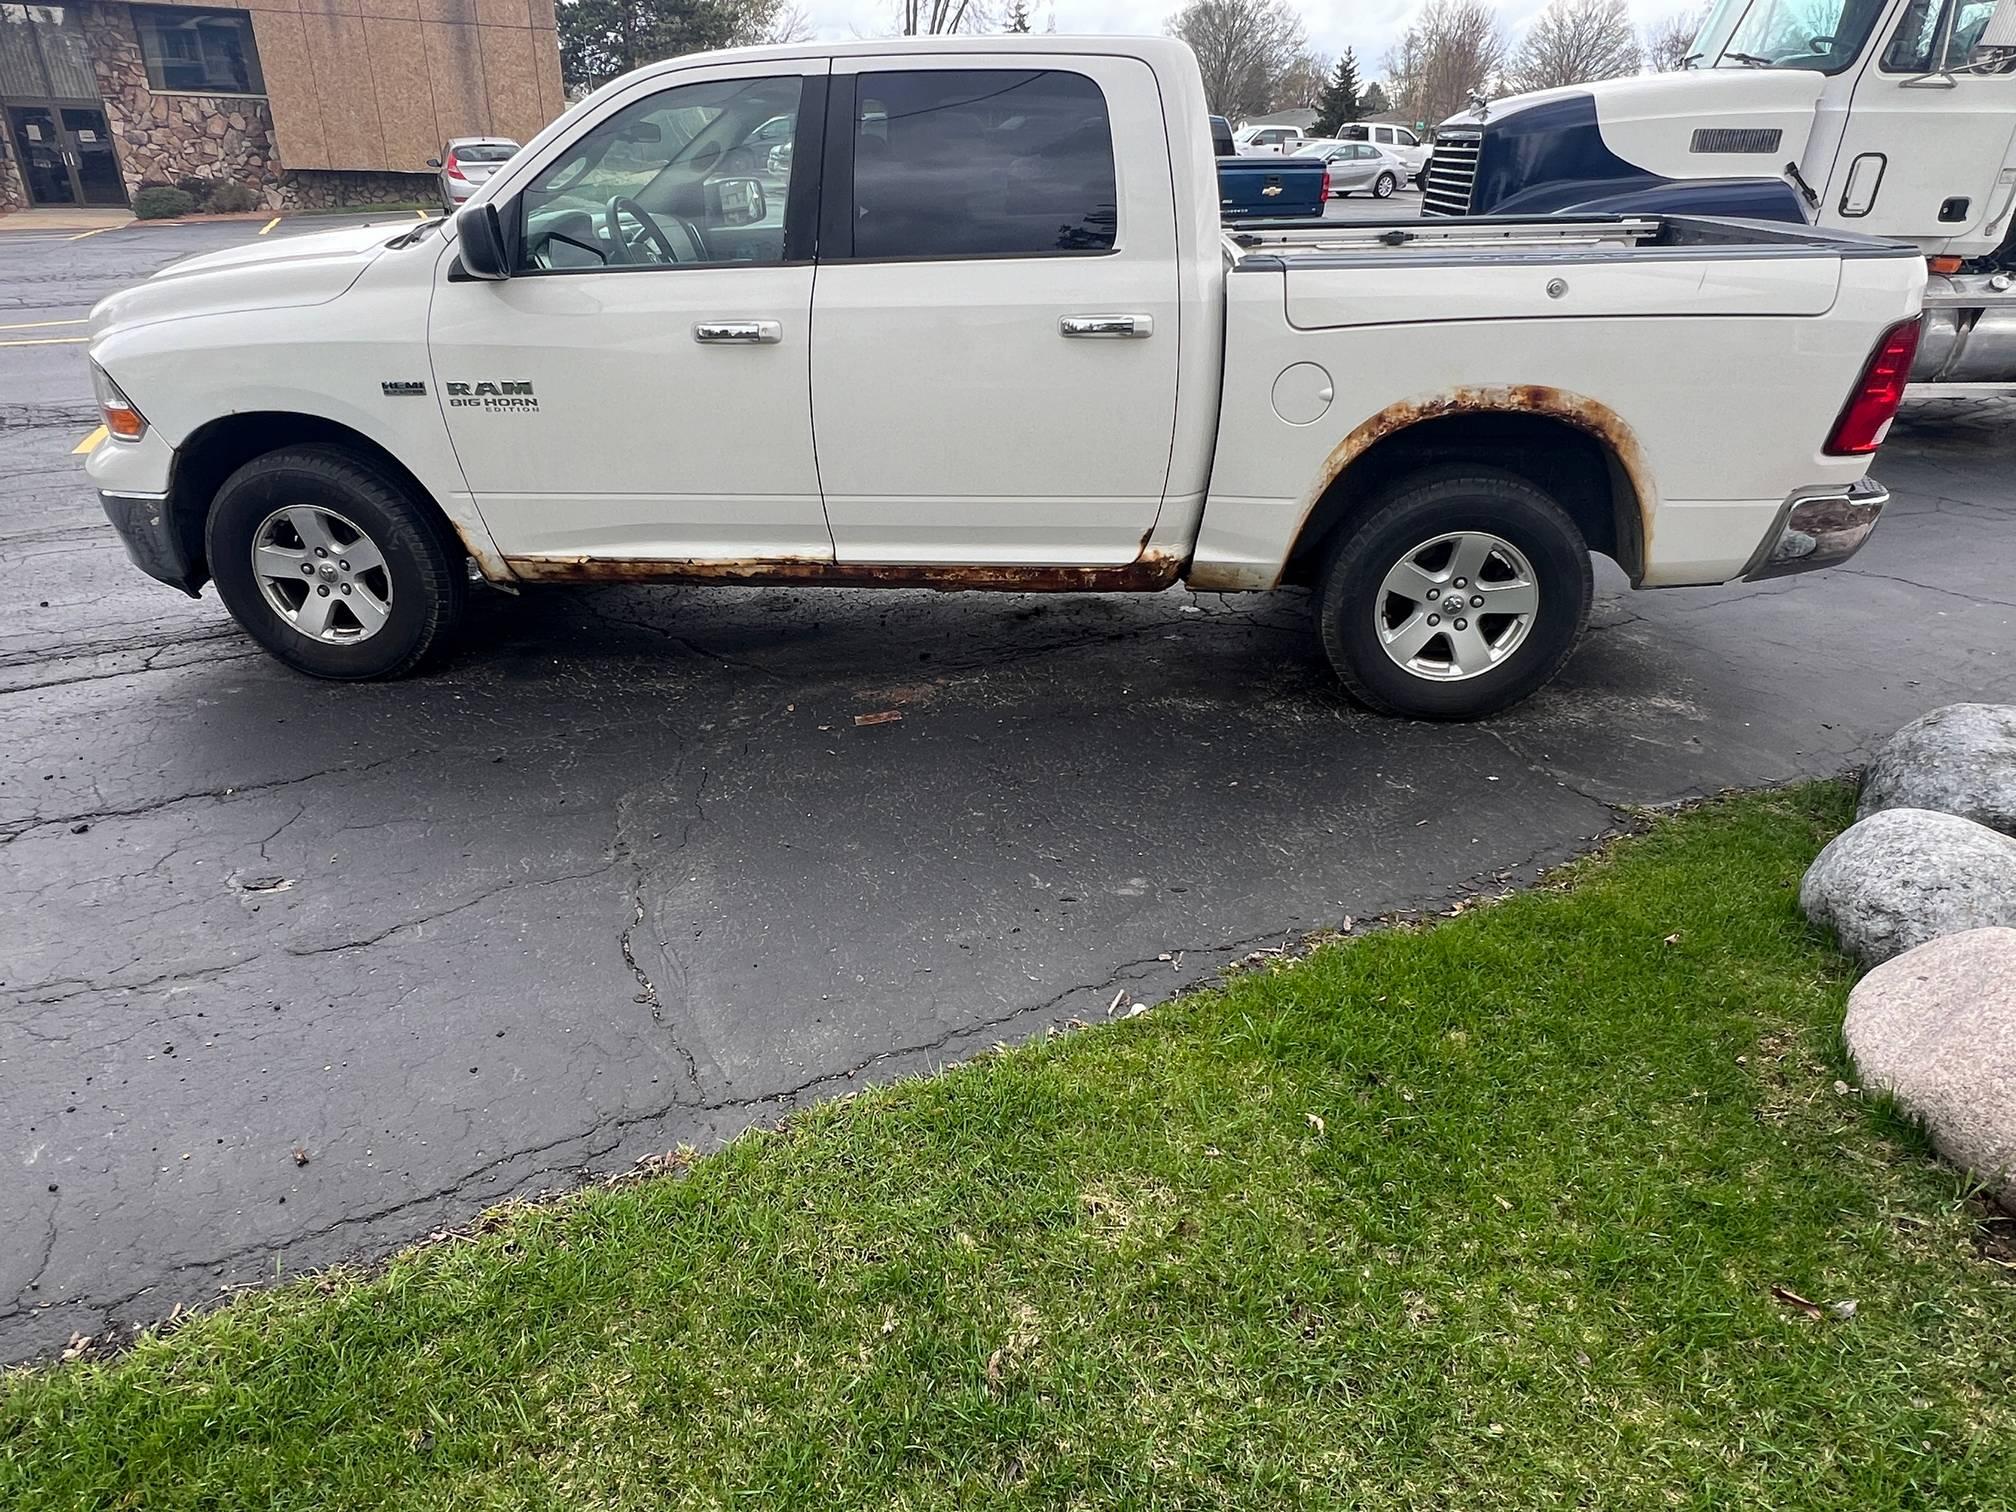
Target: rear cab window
958, 163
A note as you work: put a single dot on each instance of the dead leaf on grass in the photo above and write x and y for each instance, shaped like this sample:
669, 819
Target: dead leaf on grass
1792, 1299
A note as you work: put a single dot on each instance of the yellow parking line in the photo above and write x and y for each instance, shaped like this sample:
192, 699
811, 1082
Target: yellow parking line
89, 441
38, 325
99, 232
48, 341
420, 214
269, 225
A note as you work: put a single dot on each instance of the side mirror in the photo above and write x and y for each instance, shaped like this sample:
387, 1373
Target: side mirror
433, 162
735, 202
481, 235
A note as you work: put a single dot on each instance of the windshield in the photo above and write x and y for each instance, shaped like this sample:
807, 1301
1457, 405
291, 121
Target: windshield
1824, 35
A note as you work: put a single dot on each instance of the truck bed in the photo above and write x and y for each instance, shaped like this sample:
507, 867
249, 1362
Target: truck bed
1707, 359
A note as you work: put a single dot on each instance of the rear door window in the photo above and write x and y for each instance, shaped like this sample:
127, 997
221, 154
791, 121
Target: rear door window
982, 163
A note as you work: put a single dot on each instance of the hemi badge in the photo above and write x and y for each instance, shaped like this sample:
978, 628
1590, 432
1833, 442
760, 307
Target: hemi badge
403, 390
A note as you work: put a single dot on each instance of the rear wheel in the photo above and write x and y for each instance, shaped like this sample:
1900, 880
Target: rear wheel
1383, 186
1457, 594
330, 565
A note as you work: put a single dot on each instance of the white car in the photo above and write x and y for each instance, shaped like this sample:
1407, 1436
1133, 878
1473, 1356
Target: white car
1356, 166
615, 364
1397, 140
1267, 141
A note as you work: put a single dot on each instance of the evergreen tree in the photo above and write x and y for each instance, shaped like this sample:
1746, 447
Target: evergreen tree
1340, 101
1018, 17
1373, 101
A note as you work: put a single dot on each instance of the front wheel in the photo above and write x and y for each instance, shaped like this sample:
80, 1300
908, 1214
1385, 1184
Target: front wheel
330, 565
1383, 186
1458, 593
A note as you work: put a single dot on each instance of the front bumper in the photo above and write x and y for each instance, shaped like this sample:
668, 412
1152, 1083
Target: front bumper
148, 533
1819, 527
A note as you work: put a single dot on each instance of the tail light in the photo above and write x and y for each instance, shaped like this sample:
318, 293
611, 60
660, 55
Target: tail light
122, 420
1325, 199
1865, 418
454, 169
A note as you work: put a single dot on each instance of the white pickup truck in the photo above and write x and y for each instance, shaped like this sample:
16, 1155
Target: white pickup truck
955, 313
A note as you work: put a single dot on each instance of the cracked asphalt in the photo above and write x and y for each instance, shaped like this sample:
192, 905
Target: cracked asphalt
626, 873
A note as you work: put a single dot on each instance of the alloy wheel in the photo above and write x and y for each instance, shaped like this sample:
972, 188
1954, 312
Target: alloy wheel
321, 574
1456, 606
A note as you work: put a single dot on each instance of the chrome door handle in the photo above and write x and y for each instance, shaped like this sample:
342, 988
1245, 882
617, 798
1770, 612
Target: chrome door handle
739, 332
1107, 325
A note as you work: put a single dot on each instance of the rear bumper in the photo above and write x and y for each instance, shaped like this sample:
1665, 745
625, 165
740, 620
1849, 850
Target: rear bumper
1819, 527
149, 536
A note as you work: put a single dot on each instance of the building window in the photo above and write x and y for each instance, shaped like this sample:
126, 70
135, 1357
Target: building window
198, 51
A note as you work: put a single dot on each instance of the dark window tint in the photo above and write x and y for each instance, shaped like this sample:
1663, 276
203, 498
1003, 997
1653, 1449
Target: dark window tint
483, 152
198, 51
982, 162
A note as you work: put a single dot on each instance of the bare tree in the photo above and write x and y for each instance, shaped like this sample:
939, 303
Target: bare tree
1572, 42
1245, 48
1669, 43
1301, 82
1453, 51
787, 23
940, 18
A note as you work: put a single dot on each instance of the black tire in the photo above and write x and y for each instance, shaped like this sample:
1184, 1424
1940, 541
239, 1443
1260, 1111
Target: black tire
1383, 186
1413, 512
423, 577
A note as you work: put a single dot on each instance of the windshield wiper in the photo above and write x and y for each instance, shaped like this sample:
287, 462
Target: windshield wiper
407, 238
1751, 58
1690, 60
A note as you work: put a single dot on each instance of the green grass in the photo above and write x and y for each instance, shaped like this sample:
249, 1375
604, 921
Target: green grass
1483, 1215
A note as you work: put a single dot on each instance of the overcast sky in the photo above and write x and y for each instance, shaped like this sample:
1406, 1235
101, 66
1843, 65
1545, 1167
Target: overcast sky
1370, 26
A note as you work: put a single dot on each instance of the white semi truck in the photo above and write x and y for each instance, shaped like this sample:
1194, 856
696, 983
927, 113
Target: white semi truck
1895, 118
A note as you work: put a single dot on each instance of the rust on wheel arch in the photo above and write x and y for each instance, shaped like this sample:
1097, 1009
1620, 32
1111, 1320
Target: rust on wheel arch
1588, 415
1151, 571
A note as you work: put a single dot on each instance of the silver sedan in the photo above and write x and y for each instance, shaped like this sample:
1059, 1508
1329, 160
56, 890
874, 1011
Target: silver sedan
1359, 165
465, 162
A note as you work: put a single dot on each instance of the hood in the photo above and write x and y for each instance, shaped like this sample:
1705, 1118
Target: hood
1558, 148
1692, 94
261, 274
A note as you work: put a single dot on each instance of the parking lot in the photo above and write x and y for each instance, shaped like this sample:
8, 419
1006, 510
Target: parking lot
292, 972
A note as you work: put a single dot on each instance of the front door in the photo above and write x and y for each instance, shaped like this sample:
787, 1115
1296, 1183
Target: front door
994, 369
38, 148
639, 389
65, 153
1924, 143
93, 164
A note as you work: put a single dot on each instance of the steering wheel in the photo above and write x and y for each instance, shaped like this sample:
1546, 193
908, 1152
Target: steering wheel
624, 250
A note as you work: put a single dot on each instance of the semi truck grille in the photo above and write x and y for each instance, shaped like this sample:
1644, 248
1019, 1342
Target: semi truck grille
1452, 173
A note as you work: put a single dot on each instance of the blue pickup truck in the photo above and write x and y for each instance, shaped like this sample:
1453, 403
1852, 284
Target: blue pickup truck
1266, 188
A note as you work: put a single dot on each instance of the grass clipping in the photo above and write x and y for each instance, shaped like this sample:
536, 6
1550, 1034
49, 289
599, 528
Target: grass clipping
1561, 1203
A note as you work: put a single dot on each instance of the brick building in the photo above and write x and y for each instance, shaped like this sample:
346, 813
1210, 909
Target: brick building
305, 102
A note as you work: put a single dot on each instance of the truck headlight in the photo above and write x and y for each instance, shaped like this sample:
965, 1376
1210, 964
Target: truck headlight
122, 421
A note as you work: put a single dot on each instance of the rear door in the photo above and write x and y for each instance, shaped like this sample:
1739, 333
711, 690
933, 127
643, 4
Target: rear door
994, 372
